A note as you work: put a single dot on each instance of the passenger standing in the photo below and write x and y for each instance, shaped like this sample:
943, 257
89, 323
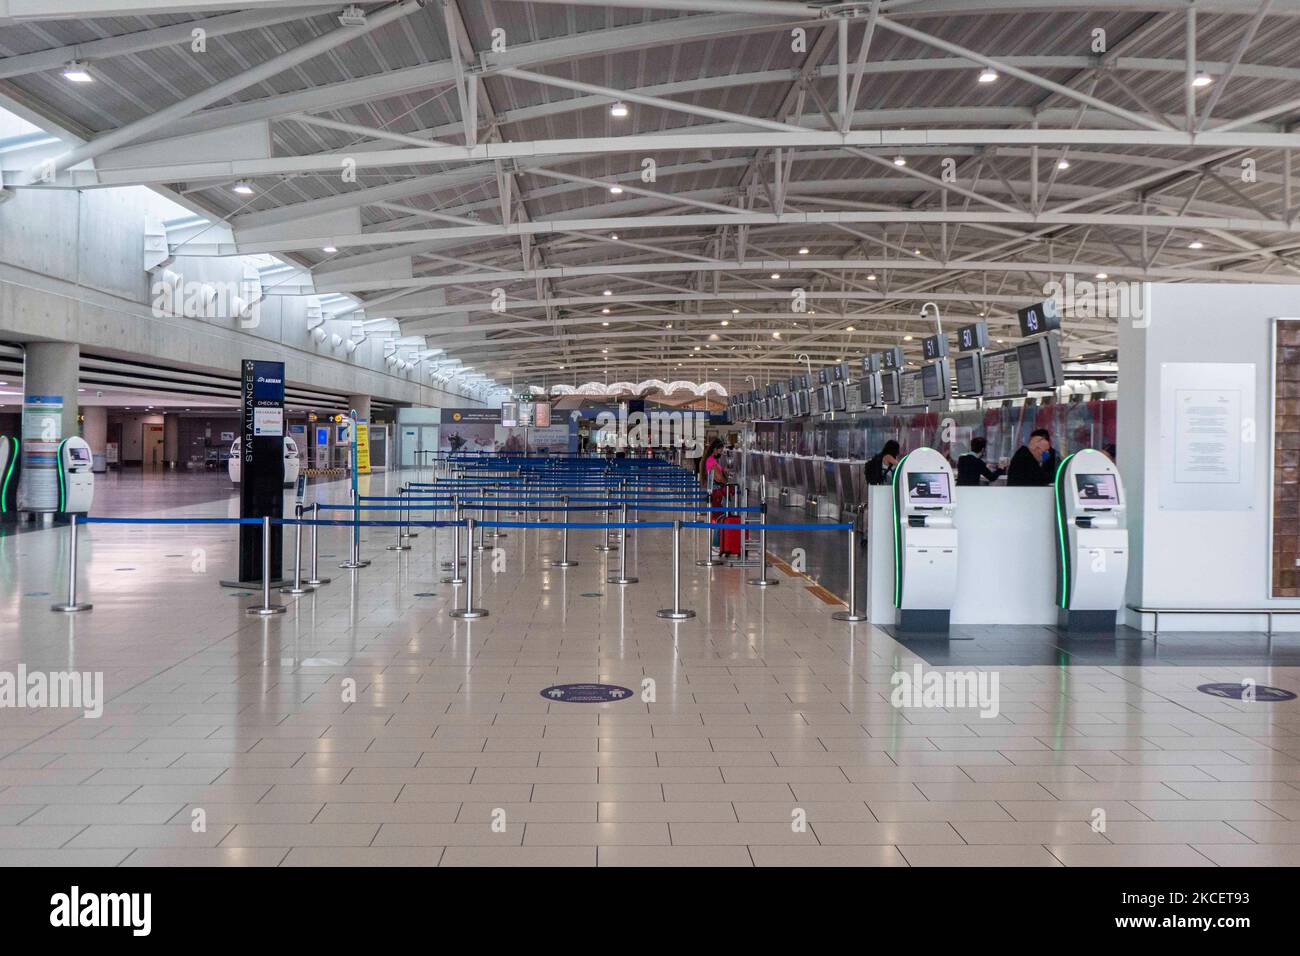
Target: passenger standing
1036, 462
971, 468
880, 467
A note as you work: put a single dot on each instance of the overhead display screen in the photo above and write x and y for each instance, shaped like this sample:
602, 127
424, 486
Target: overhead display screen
889, 388
910, 390
1097, 490
928, 488
934, 381
1002, 374
969, 383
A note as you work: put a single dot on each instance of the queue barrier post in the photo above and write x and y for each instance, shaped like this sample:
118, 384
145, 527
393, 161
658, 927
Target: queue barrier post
469, 612
354, 561
762, 581
565, 561
401, 545
496, 512
852, 615
708, 561
298, 587
455, 542
623, 577
72, 604
315, 580
676, 612
266, 608
406, 528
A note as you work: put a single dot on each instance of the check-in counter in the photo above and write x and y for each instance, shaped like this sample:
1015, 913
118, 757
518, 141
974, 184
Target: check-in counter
848, 487
1006, 571
793, 487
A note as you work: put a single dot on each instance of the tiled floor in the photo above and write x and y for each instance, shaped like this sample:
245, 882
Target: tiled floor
766, 712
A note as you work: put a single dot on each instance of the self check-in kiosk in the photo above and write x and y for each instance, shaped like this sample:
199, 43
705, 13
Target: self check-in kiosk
11, 467
1091, 542
925, 541
76, 478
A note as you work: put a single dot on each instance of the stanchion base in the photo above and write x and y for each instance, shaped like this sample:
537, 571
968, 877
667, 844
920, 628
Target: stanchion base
398, 547
763, 582
69, 608
255, 584
612, 580
316, 582
848, 616
409, 534
266, 611
564, 564
453, 580
710, 563
468, 613
671, 614
293, 590
354, 565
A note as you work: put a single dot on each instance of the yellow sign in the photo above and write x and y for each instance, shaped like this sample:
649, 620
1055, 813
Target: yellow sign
363, 448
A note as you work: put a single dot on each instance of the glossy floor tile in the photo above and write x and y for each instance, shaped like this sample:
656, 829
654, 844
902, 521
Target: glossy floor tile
368, 727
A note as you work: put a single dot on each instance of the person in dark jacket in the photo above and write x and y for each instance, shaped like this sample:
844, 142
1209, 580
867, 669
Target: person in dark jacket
881, 465
971, 468
1036, 462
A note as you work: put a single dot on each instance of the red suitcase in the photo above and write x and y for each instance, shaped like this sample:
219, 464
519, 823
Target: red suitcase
731, 539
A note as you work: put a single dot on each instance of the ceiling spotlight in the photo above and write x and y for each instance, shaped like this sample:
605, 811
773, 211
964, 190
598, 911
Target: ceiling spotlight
1102, 275
614, 236
1062, 164
606, 324
616, 190
735, 312
851, 328
1202, 79
988, 75
619, 109
907, 338
243, 187
76, 71
608, 292
725, 322
668, 326
776, 275
871, 277
1196, 244
803, 251
330, 249
776, 335
900, 160
605, 312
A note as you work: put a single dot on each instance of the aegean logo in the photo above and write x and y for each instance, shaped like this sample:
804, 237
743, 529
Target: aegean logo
957, 689
77, 689
74, 909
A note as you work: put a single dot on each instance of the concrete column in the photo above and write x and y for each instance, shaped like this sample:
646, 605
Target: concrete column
94, 427
51, 368
361, 405
171, 440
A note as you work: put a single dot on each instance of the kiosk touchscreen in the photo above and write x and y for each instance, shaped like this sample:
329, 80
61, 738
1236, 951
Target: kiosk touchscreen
925, 541
1092, 542
11, 466
76, 480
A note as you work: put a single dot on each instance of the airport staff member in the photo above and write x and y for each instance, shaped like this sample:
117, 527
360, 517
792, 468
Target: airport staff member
971, 468
1036, 462
881, 465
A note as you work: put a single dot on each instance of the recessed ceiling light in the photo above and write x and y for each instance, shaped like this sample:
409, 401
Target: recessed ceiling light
900, 160
605, 312
619, 109
907, 338
1196, 244
243, 187
871, 277
614, 236
329, 249
616, 190
803, 251
851, 328
76, 71
724, 322
735, 312
1102, 275
988, 75
776, 335
1062, 164
1202, 79
608, 292
776, 275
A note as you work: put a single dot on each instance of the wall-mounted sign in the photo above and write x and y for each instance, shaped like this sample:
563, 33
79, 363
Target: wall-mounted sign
1205, 462
1039, 318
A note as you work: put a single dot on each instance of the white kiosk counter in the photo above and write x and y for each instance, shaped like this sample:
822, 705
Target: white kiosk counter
1006, 564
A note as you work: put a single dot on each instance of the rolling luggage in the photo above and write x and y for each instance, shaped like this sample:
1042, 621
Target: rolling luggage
731, 537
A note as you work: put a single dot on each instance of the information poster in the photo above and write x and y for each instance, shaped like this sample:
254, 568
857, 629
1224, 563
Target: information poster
1207, 437
42, 432
363, 448
1002, 375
